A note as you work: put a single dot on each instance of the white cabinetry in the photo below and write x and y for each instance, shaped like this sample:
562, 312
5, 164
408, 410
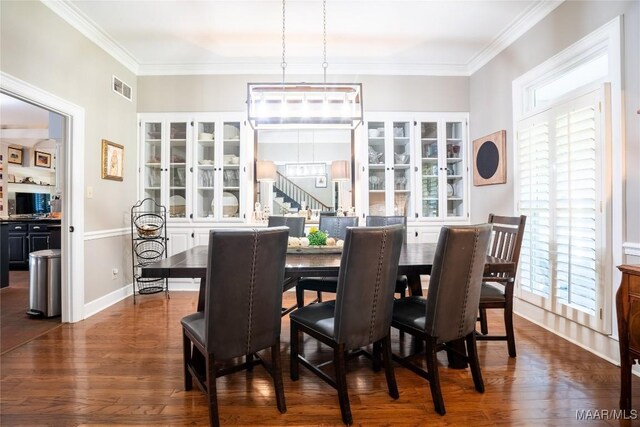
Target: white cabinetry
195, 165
416, 165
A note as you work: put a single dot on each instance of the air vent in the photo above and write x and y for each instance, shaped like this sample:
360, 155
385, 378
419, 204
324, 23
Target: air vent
121, 88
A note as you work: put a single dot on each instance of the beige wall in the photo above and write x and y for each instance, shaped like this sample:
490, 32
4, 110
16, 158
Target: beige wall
229, 93
38, 47
491, 97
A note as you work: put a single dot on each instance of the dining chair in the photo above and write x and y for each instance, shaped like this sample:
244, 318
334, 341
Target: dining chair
361, 313
295, 224
448, 315
372, 220
296, 229
242, 310
334, 226
497, 290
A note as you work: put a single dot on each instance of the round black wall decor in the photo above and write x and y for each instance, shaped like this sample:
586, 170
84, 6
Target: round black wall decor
487, 159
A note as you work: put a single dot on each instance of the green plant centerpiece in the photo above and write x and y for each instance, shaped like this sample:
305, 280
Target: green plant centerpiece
317, 237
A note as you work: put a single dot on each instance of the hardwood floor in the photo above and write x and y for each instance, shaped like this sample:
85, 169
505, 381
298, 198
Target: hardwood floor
123, 366
16, 327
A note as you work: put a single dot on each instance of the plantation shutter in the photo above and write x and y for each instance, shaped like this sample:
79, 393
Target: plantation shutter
559, 189
534, 186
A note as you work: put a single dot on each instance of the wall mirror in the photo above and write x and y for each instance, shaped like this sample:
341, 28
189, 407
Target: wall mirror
303, 159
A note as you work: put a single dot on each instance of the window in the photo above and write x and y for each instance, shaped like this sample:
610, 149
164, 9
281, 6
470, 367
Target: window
566, 178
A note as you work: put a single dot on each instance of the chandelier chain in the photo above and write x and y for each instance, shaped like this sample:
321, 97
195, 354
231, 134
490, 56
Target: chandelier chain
325, 64
284, 63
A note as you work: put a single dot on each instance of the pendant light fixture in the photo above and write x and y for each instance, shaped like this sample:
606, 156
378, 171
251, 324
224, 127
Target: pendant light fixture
304, 105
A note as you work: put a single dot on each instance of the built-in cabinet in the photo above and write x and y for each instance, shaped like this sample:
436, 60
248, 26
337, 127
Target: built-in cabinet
26, 237
416, 165
195, 166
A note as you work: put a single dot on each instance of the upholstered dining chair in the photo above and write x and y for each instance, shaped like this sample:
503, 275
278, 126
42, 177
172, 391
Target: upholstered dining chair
296, 229
448, 314
361, 313
335, 226
295, 224
372, 221
497, 290
241, 316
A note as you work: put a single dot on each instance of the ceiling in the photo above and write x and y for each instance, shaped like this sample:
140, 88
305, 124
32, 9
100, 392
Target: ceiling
245, 37
23, 124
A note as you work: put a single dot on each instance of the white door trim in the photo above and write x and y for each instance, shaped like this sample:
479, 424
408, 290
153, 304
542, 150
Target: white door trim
73, 201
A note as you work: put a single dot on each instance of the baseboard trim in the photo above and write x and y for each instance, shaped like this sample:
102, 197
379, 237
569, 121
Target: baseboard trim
97, 305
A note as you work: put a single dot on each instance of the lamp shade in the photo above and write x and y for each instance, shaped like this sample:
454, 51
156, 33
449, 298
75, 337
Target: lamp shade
265, 171
340, 170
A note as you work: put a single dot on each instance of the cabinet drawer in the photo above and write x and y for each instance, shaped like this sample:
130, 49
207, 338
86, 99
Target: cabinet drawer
20, 227
38, 228
634, 284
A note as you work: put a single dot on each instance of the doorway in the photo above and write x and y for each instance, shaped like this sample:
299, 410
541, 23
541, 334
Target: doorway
71, 164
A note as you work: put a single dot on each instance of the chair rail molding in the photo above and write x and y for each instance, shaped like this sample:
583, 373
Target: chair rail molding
631, 248
104, 234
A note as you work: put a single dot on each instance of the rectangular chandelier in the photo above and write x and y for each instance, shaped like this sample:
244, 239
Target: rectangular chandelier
304, 105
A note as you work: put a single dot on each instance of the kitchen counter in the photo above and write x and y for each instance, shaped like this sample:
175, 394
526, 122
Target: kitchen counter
21, 235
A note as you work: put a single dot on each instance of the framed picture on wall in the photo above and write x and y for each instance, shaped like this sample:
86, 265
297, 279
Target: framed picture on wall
15, 155
321, 181
42, 159
112, 160
489, 159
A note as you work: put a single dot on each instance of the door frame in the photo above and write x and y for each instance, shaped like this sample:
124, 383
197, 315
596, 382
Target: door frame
73, 202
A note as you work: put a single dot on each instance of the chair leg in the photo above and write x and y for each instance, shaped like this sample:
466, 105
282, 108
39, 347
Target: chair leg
186, 360
508, 326
295, 342
319, 296
434, 377
249, 360
474, 363
484, 329
211, 392
388, 367
339, 361
299, 296
377, 346
276, 373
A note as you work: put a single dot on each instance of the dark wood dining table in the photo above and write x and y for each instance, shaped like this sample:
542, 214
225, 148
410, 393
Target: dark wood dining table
416, 259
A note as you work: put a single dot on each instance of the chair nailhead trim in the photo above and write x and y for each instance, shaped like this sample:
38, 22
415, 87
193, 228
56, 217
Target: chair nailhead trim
377, 285
251, 287
466, 290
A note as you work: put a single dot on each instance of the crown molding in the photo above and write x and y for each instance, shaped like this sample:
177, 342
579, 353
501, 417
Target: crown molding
78, 20
517, 28
523, 23
307, 69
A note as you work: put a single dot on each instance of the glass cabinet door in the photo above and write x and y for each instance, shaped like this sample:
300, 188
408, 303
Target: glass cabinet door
204, 170
376, 168
177, 169
430, 168
152, 162
230, 170
401, 185
455, 169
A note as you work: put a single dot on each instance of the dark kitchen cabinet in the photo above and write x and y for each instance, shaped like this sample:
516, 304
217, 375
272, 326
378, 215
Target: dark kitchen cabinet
24, 238
18, 245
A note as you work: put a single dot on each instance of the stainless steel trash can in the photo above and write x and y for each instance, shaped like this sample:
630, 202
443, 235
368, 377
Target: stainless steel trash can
44, 283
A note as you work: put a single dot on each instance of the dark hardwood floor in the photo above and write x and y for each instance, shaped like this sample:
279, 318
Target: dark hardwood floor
16, 327
123, 366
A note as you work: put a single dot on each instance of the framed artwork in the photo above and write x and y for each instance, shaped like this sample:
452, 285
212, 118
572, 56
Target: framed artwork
321, 181
15, 155
112, 160
489, 159
42, 159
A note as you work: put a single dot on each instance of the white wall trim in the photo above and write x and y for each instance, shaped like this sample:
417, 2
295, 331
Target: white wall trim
183, 286
107, 301
78, 20
73, 207
523, 23
104, 234
631, 248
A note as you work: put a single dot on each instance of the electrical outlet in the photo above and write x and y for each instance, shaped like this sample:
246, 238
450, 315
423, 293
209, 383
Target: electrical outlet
114, 273
89, 192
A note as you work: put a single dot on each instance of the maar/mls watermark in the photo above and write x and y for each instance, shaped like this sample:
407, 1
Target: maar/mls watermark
605, 414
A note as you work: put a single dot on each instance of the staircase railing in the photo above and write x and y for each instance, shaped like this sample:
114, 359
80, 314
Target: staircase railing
297, 193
